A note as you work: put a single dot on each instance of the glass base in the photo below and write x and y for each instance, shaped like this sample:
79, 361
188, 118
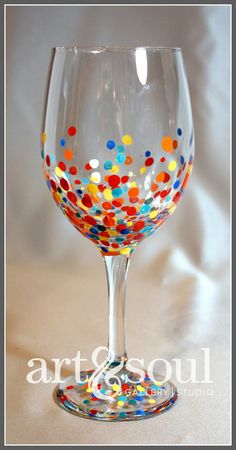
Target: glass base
122, 400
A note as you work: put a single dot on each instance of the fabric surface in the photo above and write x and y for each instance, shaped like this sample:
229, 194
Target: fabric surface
178, 297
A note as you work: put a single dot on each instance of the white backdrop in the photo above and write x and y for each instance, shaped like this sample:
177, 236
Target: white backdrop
192, 247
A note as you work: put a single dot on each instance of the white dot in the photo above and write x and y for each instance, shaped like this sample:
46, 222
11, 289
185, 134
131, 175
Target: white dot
94, 163
96, 177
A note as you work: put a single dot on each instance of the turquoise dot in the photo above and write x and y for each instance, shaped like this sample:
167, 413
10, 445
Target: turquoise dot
86, 402
132, 402
168, 198
144, 209
125, 188
120, 148
117, 192
122, 398
107, 165
121, 158
85, 180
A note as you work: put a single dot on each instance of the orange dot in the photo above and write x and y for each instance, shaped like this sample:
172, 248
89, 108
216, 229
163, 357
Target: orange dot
154, 187
133, 192
68, 154
106, 205
160, 177
167, 144
128, 159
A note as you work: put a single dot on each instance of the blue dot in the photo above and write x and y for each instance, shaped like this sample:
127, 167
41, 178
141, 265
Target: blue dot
48, 185
139, 412
104, 249
79, 192
139, 398
147, 153
110, 145
191, 139
62, 142
179, 131
125, 231
94, 230
85, 181
107, 165
119, 239
181, 159
86, 402
64, 199
120, 148
121, 158
98, 212
176, 184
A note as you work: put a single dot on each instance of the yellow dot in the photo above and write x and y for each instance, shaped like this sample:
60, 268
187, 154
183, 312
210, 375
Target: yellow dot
89, 390
107, 194
133, 184
140, 388
95, 177
172, 165
142, 170
125, 251
57, 197
111, 233
127, 139
190, 168
114, 169
158, 383
120, 403
151, 400
115, 387
153, 214
58, 172
92, 188
130, 223
43, 137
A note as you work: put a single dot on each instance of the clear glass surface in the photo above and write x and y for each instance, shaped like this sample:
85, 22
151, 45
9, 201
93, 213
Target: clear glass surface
117, 152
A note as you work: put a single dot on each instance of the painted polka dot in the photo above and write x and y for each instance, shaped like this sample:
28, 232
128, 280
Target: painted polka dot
107, 165
172, 165
117, 192
62, 142
120, 148
149, 162
179, 131
133, 192
73, 170
96, 177
114, 180
147, 153
44, 137
120, 158
58, 171
128, 159
94, 163
107, 194
92, 189
64, 184
71, 131
48, 162
62, 166
167, 144
68, 154
110, 144
127, 139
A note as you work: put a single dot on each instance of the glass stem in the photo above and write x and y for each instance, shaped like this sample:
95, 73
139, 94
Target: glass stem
116, 269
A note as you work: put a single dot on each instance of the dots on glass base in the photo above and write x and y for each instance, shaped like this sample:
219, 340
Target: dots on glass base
110, 144
127, 139
71, 131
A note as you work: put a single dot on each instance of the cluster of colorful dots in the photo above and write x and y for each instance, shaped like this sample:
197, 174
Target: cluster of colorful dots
137, 399
103, 200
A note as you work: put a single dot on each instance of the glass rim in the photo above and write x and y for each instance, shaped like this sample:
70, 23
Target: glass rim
104, 49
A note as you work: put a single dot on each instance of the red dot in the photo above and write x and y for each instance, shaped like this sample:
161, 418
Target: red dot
162, 159
90, 220
53, 184
131, 211
62, 166
71, 131
73, 170
106, 205
64, 184
93, 411
69, 387
87, 166
114, 245
121, 227
163, 194
106, 243
86, 200
139, 225
77, 182
48, 162
149, 162
166, 177
175, 144
72, 197
124, 179
114, 180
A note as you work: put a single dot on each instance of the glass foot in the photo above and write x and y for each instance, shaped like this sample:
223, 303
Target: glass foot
123, 399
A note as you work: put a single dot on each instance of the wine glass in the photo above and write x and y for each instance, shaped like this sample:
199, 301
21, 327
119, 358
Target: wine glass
117, 151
